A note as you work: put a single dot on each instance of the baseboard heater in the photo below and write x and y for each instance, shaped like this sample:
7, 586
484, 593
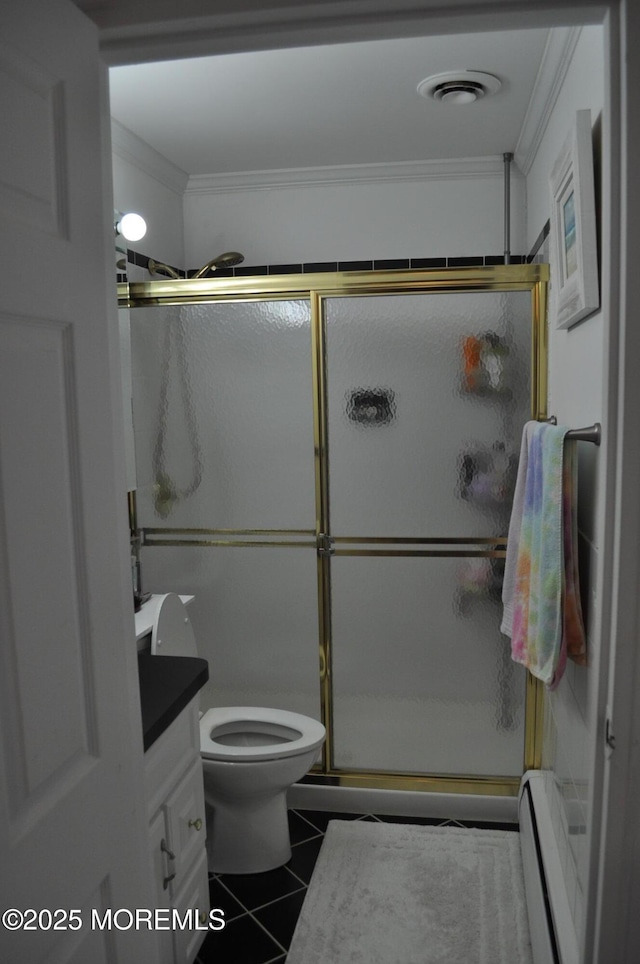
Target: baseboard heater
553, 936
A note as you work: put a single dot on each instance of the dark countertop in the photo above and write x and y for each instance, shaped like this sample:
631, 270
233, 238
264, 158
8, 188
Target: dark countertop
167, 685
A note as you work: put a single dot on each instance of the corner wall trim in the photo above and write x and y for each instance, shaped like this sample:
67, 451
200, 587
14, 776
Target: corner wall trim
557, 57
129, 147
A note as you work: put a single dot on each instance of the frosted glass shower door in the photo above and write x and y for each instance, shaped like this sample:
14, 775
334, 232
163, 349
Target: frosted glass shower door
327, 465
223, 415
426, 397
224, 430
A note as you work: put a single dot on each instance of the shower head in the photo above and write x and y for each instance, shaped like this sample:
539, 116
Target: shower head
226, 260
156, 267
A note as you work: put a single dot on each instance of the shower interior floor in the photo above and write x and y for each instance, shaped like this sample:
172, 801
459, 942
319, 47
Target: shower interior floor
261, 910
478, 741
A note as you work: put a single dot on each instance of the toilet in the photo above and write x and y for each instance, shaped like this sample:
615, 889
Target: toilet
251, 755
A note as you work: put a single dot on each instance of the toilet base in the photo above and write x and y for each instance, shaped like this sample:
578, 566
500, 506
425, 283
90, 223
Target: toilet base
248, 836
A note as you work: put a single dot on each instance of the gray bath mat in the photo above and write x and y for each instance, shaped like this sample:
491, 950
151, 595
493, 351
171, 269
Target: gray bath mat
384, 893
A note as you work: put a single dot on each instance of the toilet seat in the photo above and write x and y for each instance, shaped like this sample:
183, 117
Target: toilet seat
280, 734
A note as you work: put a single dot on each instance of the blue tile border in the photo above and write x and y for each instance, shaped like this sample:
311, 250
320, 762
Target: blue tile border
313, 267
428, 263
385, 264
537, 244
355, 265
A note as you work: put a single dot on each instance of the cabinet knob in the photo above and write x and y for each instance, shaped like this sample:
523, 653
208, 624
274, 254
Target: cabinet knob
196, 824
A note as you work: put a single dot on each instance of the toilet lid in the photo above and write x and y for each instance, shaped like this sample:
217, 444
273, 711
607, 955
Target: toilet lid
172, 634
309, 733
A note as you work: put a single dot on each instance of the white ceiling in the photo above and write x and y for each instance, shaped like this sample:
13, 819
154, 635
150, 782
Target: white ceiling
352, 103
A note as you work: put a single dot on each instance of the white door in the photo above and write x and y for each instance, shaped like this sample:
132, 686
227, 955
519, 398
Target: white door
72, 821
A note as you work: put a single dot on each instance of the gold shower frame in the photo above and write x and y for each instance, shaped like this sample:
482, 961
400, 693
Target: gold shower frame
316, 288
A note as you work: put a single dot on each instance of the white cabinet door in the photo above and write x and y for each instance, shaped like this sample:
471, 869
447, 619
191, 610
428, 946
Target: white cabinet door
162, 873
73, 833
186, 822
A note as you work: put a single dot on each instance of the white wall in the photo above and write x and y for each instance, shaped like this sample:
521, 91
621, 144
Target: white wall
440, 216
146, 182
576, 398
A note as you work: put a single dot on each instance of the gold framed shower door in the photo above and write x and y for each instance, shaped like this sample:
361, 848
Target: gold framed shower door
317, 288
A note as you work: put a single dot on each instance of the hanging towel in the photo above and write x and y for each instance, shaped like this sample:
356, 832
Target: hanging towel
513, 541
542, 611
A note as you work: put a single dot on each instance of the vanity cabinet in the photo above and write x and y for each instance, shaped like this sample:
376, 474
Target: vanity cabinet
177, 828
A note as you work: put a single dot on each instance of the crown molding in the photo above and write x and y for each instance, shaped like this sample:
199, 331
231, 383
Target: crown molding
556, 59
131, 148
345, 174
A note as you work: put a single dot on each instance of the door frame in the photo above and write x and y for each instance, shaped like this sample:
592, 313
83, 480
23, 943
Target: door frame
612, 928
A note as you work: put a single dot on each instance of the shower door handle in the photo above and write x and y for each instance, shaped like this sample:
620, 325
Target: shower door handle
325, 545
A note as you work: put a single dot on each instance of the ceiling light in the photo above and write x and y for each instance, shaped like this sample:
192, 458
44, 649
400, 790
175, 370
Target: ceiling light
131, 226
459, 86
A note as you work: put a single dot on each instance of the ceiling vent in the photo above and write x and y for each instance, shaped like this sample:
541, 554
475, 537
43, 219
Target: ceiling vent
459, 86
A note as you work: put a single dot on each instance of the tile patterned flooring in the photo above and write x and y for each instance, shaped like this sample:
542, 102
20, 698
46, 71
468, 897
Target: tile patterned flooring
261, 910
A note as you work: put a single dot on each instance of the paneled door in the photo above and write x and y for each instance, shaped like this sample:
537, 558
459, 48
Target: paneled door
72, 815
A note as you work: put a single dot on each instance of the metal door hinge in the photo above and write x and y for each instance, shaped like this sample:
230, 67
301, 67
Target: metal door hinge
325, 545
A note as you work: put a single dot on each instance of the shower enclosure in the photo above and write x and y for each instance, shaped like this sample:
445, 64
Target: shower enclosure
326, 462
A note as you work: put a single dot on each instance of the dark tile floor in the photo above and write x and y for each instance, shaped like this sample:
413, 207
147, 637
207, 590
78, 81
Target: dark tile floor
261, 910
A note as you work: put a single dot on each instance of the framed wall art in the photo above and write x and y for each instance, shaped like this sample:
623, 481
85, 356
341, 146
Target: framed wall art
574, 249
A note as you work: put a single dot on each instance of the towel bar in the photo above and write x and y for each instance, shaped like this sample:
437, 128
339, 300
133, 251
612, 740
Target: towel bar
593, 433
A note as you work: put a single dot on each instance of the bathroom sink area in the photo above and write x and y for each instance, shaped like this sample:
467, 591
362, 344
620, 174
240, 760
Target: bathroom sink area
167, 686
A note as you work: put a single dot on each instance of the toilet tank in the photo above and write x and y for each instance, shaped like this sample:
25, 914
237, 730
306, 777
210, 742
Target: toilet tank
172, 633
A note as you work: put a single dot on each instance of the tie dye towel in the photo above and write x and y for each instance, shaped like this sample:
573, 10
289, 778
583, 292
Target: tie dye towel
542, 611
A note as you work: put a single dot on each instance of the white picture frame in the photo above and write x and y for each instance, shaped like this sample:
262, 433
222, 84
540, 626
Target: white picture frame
574, 249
